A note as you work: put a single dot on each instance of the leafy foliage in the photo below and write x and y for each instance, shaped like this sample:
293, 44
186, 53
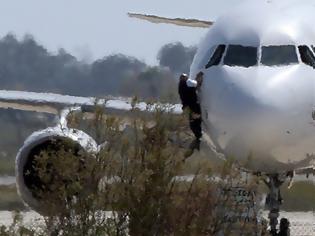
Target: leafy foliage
27, 65
176, 57
135, 184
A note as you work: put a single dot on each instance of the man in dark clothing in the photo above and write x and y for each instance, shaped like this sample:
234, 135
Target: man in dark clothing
187, 89
183, 90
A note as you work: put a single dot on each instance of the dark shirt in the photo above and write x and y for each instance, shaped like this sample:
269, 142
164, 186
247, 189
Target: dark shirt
188, 96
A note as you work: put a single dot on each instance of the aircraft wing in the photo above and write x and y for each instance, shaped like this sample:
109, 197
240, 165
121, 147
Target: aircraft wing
310, 170
174, 21
54, 103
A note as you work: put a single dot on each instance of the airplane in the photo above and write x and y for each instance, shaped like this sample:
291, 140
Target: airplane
252, 101
257, 96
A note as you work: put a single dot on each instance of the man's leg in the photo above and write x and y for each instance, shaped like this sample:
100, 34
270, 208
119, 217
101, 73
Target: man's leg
195, 126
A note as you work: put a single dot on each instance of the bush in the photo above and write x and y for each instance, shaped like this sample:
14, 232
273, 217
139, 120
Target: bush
135, 184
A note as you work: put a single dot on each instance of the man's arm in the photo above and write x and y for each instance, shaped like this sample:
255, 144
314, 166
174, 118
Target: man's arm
192, 83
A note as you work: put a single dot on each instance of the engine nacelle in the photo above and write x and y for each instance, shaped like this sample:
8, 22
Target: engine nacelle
27, 177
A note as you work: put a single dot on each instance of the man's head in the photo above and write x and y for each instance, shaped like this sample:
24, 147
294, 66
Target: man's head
183, 77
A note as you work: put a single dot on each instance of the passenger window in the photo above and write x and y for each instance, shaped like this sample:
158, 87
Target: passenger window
238, 55
307, 56
217, 56
278, 55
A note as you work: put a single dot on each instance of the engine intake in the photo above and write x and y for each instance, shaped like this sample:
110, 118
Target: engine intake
36, 177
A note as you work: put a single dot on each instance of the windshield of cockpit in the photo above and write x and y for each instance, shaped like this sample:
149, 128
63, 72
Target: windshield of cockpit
278, 55
249, 56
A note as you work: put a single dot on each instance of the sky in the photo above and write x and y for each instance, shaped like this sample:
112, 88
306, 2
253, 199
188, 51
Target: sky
93, 29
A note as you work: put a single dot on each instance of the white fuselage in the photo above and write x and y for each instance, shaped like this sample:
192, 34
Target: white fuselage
260, 113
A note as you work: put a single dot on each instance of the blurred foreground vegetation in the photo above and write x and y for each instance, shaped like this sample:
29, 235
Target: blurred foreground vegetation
21, 124
136, 185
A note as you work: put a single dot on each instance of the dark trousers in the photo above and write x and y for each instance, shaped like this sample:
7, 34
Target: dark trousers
195, 125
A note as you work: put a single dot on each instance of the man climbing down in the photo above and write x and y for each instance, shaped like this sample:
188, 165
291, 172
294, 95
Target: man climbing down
188, 92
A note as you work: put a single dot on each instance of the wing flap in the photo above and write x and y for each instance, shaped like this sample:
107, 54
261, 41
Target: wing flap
174, 21
28, 107
54, 103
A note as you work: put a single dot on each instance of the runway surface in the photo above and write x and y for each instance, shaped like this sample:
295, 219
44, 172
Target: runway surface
302, 223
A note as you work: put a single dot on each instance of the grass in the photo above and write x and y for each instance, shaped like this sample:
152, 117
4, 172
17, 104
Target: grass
9, 199
7, 166
301, 197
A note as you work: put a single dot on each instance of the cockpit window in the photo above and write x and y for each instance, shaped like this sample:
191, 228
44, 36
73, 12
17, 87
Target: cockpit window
238, 55
217, 56
307, 57
278, 55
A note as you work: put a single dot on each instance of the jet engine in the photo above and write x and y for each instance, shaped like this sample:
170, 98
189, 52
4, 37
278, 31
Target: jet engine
30, 183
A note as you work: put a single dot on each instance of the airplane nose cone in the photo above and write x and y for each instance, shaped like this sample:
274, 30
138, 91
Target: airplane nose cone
261, 116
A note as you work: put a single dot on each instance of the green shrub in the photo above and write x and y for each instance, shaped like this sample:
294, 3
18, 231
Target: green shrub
135, 184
